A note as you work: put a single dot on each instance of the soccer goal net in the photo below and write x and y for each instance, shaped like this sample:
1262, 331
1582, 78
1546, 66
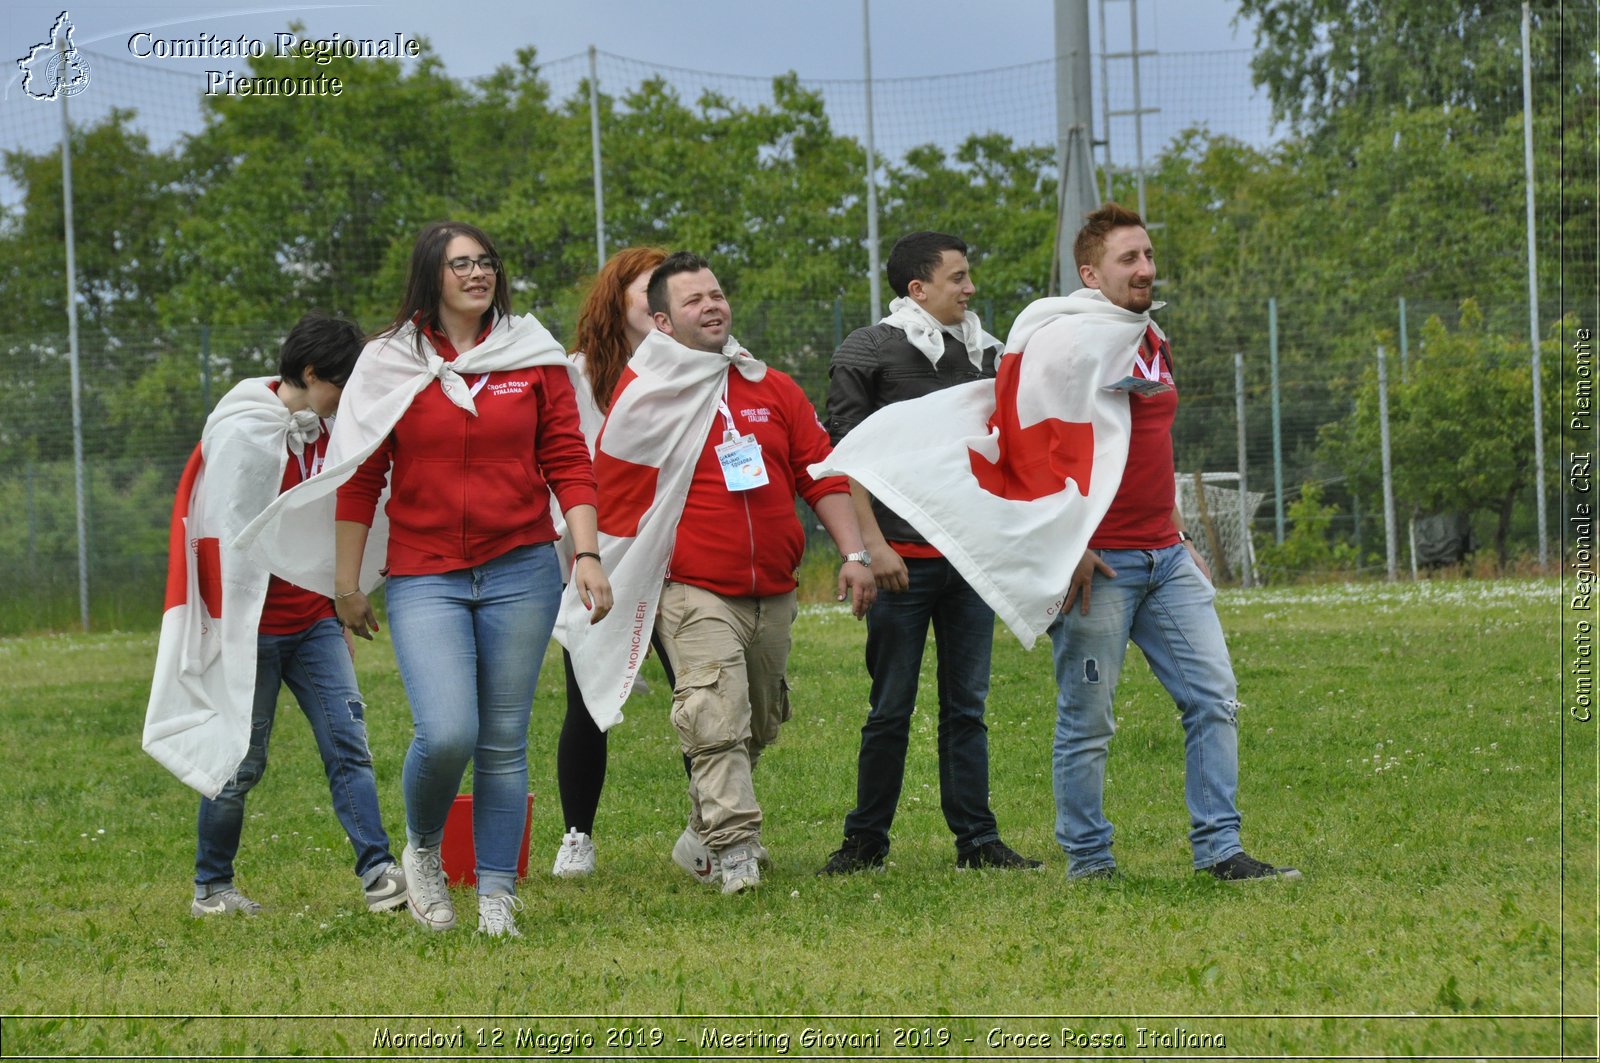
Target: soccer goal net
1211, 507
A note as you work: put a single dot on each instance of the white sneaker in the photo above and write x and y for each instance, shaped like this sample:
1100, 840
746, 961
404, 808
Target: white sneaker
427, 893
689, 853
388, 890
496, 915
739, 870
575, 858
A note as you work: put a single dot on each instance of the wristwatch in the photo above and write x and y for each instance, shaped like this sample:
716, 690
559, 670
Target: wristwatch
860, 556
1185, 537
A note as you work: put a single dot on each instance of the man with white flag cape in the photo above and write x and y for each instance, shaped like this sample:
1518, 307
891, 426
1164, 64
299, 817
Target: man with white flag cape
231, 634
1054, 497
1031, 458
698, 465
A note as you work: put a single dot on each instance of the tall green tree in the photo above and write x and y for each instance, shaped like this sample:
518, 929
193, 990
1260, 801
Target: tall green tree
1460, 425
125, 203
1320, 58
293, 202
125, 208
1346, 73
998, 196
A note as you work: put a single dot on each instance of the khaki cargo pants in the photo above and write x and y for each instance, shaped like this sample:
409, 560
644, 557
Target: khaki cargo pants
731, 697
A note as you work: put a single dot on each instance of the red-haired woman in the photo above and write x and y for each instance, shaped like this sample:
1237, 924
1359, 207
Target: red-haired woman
611, 323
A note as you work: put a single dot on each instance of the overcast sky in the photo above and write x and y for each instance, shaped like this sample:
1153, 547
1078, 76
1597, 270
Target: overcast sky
816, 38
1199, 76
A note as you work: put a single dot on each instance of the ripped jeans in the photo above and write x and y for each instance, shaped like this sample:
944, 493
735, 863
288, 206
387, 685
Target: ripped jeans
1160, 600
315, 665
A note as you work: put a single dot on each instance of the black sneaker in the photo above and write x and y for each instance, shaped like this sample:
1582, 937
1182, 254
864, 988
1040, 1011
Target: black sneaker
1242, 867
1108, 873
995, 854
856, 854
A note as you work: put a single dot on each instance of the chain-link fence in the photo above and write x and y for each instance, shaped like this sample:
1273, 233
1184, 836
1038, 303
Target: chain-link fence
206, 225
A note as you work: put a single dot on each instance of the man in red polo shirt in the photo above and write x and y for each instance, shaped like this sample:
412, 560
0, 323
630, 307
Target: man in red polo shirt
1142, 578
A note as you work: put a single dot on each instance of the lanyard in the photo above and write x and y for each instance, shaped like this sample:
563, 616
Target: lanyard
1150, 370
314, 466
727, 414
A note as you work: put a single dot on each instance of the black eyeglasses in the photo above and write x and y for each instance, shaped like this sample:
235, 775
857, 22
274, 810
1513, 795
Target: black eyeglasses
462, 267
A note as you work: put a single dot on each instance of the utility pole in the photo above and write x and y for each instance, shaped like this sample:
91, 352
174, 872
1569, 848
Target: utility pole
1074, 131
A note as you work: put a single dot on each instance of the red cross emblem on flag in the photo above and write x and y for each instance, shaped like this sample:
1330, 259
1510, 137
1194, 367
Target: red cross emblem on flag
1037, 460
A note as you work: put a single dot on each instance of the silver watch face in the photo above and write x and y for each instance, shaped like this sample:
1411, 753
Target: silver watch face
860, 555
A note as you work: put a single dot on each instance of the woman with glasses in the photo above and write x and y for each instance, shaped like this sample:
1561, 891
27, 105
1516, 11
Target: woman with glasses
612, 321
489, 432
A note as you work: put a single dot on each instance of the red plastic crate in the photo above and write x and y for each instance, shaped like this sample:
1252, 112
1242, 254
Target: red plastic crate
457, 852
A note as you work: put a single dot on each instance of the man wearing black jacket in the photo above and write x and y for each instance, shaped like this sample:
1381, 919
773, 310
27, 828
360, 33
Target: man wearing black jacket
928, 342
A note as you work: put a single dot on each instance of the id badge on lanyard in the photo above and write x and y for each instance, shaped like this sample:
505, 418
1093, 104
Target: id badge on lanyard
743, 468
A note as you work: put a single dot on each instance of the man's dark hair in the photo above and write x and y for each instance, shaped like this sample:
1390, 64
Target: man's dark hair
677, 262
916, 255
325, 343
1097, 225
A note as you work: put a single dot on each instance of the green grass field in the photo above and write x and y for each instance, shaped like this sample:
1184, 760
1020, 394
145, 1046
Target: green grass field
1404, 746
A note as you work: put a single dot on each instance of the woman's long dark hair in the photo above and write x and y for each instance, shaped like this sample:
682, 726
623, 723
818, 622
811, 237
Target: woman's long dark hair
424, 287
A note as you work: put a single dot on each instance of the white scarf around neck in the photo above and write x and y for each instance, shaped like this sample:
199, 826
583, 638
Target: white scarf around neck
293, 537
926, 333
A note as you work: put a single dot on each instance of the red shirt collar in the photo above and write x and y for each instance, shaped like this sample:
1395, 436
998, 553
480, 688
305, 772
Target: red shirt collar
441, 342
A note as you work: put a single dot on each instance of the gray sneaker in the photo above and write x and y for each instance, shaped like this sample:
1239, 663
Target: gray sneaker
427, 893
739, 869
227, 901
388, 890
497, 915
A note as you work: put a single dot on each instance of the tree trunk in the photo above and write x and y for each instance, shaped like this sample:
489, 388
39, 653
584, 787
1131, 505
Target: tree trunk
1502, 531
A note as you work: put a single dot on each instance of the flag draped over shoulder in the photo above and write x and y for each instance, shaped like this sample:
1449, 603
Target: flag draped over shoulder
1009, 477
590, 418
644, 460
294, 537
198, 721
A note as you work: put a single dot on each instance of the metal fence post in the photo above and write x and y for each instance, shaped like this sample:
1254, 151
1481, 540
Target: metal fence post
594, 148
1390, 541
1244, 513
205, 371
1533, 292
1277, 420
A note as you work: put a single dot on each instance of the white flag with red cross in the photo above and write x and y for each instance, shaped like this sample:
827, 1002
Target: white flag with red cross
1008, 478
202, 693
644, 460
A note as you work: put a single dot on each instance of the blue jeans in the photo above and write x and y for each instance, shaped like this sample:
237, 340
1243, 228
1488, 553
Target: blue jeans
469, 645
897, 632
1160, 600
316, 666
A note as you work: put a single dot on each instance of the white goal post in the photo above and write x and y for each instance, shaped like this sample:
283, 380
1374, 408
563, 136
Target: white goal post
1209, 502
